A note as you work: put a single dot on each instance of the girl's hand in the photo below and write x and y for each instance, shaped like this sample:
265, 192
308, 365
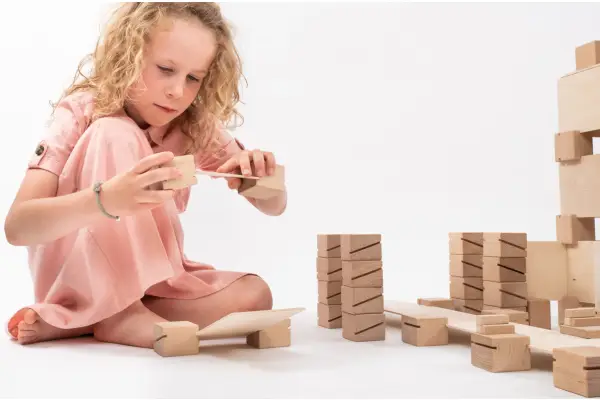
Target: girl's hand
243, 163
130, 192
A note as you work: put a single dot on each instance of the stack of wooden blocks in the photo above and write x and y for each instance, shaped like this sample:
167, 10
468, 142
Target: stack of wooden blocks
350, 278
466, 273
582, 322
575, 369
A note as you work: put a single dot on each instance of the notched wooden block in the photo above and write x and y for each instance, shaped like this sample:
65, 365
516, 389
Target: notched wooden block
577, 370
504, 269
329, 245
436, 302
571, 229
466, 243
357, 274
363, 327
505, 294
421, 330
500, 353
187, 166
466, 288
179, 338
469, 306
587, 55
515, 316
278, 335
571, 146
329, 315
466, 265
266, 187
361, 247
582, 321
329, 269
330, 292
539, 313
505, 244
368, 300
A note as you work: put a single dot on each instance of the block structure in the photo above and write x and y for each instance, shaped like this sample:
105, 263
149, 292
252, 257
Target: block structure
582, 322
466, 271
363, 317
329, 280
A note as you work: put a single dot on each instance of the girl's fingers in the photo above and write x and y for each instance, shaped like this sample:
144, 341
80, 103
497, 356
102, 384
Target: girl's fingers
157, 175
270, 162
259, 163
244, 162
154, 160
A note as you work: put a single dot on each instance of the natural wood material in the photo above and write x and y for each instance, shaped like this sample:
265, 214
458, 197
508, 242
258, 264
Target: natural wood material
577, 370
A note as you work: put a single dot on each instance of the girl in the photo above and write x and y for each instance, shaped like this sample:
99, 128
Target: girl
106, 250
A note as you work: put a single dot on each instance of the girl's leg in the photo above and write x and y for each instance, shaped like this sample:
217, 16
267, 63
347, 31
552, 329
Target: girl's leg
249, 293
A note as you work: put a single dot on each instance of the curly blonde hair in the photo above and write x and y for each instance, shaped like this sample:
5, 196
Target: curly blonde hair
118, 61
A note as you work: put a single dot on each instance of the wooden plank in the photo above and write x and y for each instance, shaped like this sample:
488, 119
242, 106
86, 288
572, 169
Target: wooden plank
542, 340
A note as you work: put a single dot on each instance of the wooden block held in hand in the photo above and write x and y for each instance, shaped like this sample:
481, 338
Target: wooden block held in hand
329, 315
500, 353
362, 273
265, 187
177, 338
278, 335
420, 330
187, 166
363, 327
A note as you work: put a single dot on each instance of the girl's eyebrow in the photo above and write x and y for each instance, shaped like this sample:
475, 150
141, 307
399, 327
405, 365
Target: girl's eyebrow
200, 71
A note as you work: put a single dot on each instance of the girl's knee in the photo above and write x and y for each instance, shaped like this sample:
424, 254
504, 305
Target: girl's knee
257, 294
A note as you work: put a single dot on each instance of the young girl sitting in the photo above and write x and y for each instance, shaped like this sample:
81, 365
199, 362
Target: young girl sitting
105, 245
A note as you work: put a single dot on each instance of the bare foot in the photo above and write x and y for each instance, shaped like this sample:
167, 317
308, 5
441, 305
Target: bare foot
133, 326
27, 327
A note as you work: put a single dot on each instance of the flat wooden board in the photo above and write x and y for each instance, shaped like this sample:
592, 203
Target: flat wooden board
546, 272
244, 323
542, 340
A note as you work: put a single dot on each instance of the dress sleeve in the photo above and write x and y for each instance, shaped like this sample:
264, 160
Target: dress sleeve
69, 121
227, 146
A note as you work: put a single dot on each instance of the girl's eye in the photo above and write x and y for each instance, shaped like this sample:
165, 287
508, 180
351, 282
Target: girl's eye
169, 70
165, 69
193, 78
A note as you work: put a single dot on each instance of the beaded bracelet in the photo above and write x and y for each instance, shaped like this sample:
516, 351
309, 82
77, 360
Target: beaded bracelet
97, 187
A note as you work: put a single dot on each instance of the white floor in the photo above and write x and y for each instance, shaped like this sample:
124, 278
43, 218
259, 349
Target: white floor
320, 363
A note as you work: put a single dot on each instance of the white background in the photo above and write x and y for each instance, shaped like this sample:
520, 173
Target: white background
409, 120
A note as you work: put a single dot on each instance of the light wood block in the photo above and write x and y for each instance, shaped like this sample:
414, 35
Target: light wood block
578, 99
363, 327
587, 55
187, 166
505, 244
585, 332
539, 313
436, 302
357, 274
361, 247
571, 229
505, 294
466, 288
329, 245
499, 329
580, 312
278, 335
492, 319
330, 292
566, 303
173, 339
546, 274
582, 260
471, 306
580, 187
504, 269
329, 315
266, 187
466, 243
424, 330
571, 146
582, 321
501, 353
466, 265
329, 269
577, 370
368, 300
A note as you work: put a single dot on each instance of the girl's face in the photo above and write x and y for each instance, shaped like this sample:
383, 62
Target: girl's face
175, 63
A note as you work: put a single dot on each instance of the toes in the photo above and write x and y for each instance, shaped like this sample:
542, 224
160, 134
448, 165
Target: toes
14, 322
30, 316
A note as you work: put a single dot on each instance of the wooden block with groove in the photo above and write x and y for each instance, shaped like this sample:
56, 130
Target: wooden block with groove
582, 321
329, 315
466, 288
501, 353
329, 269
587, 55
363, 327
329, 245
466, 265
571, 229
368, 300
515, 316
466, 243
436, 302
504, 269
278, 335
505, 244
577, 370
539, 313
505, 294
330, 292
571, 146
266, 187
361, 247
357, 274
469, 306
174, 339
187, 166
422, 330
565, 303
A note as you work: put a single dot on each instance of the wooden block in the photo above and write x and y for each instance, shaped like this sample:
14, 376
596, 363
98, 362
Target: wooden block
469, 306
580, 312
571, 229
492, 319
466, 288
577, 370
505, 294
582, 321
514, 316
582, 260
266, 187
587, 55
580, 187
546, 274
585, 332
423, 330
329, 315
179, 338
329, 245
330, 292
358, 274
329, 269
578, 99
539, 313
466, 243
500, 353
566, 302
363, 327
187, 166
361, 247
278, 335
571, 146
504, 269
499, 329
367, 300
505, 244
466, 265
436, 302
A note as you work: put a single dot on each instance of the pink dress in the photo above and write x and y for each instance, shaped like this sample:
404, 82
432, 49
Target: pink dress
99, 270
